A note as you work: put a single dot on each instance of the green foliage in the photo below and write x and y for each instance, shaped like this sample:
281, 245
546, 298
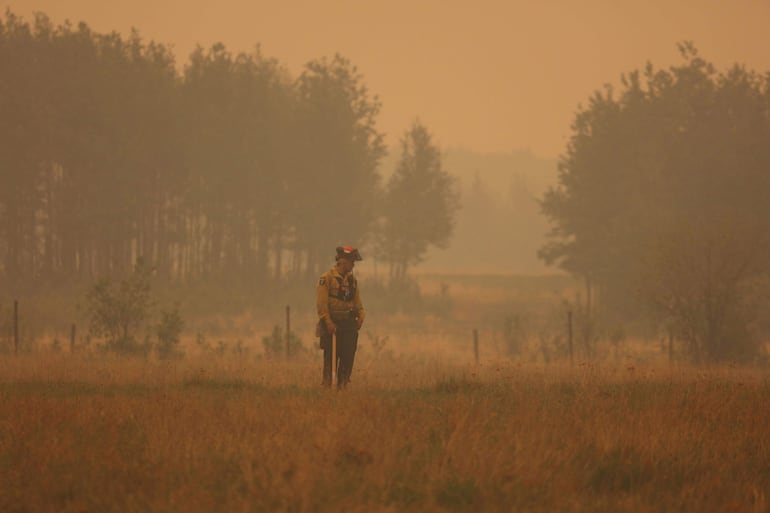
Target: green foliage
168, 331
214, 171
419, 205
118, 311
336, 151
660, 200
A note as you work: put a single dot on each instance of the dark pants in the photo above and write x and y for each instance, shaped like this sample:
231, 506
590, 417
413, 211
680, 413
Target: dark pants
347, 343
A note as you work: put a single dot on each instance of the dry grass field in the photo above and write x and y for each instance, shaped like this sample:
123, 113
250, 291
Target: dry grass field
83, 433
422, 428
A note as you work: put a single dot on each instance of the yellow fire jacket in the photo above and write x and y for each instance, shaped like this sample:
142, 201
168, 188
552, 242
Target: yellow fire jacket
338, 298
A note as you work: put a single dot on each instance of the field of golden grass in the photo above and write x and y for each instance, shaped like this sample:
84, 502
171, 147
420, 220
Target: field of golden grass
88, 433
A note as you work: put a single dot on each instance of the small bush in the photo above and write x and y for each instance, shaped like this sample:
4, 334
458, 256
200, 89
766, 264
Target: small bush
169, 330
118, 311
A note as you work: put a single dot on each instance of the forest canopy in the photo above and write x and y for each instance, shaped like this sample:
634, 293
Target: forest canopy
226, 168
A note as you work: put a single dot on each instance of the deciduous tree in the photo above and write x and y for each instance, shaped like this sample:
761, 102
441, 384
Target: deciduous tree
660, 203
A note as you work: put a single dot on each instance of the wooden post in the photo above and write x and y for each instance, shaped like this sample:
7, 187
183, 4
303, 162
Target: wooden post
476, 345
16, 327
569, 338
288, 331
72, 339
670, 347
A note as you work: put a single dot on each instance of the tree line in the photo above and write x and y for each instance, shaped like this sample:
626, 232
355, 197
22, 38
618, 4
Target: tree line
661, 205
231, 169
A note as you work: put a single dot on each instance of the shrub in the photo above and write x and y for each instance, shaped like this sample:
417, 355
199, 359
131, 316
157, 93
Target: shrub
119, 311
169, 330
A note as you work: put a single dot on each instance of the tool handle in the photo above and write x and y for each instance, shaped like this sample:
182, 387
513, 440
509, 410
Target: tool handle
334, 359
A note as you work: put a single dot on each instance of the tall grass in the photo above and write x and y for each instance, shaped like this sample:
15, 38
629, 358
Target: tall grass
88, 434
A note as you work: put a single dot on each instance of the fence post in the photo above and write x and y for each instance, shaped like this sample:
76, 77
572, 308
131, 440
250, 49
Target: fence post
15, 326
288, 331
569, 338
72, 338
476, 345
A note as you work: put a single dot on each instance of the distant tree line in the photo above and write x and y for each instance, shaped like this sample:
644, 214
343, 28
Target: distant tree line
662, 200
229, 170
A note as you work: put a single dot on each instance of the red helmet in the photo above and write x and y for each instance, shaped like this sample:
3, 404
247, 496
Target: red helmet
348, 252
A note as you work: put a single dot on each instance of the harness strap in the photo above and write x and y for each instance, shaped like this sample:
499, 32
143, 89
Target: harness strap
345, 293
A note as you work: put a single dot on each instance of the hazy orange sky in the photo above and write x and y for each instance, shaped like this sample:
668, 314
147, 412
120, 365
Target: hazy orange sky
486, 75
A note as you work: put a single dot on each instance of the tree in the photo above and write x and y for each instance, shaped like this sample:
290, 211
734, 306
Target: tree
333, 178
87, 128
221, 172
235, 147
659, 201
419, 206
117, 311
701, 280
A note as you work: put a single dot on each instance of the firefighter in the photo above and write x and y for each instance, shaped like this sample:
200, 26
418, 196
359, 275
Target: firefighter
340, 314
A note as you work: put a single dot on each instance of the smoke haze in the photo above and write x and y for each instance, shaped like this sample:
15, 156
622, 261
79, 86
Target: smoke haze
488, 76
